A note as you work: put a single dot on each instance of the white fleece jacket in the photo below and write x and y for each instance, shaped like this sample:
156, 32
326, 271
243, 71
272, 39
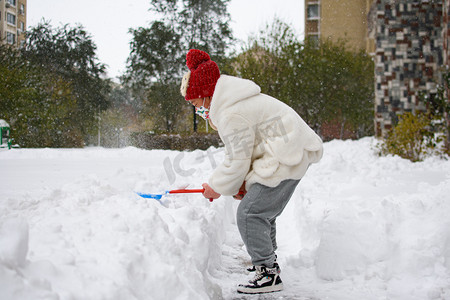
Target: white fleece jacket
265, 140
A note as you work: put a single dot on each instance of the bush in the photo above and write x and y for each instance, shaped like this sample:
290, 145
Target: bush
326, 83
150, 140
413, 138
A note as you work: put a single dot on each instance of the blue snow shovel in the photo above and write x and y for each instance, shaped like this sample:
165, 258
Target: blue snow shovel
182, 191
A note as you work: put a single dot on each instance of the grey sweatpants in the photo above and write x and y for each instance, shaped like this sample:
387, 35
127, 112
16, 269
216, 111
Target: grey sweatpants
256, 217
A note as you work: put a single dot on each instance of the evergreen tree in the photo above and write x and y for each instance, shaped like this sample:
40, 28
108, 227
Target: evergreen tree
324, 82
70, 54
157, 58
201, 24
37, 104
335, 85
155, 55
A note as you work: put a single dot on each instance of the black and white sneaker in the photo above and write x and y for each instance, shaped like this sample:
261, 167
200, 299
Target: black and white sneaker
266, 280
253, 268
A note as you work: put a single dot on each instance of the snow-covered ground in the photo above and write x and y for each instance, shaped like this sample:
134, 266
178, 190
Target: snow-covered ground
358, 227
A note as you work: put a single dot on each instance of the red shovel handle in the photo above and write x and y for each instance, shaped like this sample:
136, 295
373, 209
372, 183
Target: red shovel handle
184, 191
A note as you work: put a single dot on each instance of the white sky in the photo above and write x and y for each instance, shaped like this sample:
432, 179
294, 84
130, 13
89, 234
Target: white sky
108, 21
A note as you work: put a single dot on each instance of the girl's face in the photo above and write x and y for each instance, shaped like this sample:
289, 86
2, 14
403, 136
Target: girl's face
206, 102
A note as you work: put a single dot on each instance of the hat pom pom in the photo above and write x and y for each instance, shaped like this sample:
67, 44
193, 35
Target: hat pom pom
195, 57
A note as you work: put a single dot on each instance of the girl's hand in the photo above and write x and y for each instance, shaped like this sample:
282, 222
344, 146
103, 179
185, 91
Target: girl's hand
240, 195
209, 193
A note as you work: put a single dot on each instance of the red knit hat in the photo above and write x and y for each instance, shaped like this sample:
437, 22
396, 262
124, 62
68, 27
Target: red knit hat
201, 80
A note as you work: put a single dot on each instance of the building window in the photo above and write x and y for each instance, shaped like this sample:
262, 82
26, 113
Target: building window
22, 9
11, 19
11, 2
22, 26
314, 38
10, 38
313, 11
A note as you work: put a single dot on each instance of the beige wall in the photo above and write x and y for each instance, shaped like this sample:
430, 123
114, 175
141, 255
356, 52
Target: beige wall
343, 19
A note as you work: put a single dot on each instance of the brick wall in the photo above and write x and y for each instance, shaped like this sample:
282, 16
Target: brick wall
409, 56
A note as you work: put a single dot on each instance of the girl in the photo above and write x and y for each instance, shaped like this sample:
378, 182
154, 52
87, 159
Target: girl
268, 148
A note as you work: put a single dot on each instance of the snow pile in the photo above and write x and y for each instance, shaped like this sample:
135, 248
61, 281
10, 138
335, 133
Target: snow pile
358, 227
381, 220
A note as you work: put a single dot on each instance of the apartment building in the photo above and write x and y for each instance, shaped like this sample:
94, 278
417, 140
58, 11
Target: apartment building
340, 19
13, 22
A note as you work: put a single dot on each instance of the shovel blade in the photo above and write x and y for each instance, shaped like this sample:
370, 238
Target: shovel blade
151, 196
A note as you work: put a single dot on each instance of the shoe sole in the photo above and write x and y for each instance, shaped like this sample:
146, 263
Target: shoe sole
263, 290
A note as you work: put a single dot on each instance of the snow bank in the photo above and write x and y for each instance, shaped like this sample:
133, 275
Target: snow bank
358, 227
92, 237
381, 222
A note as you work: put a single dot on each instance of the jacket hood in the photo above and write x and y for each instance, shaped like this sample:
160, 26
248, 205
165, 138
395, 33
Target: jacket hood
230, 90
